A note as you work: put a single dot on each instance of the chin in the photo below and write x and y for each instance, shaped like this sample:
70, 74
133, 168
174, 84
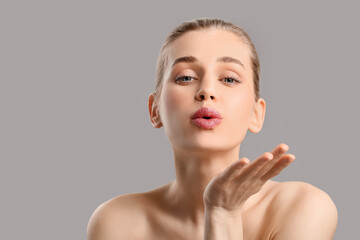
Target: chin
204, 144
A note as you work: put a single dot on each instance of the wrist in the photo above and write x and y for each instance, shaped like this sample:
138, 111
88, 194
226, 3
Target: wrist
221, 224
224, 213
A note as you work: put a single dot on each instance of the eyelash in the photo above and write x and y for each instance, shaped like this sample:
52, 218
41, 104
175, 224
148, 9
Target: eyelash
231, 77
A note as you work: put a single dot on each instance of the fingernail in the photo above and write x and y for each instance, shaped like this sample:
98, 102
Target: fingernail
269, 156
283, 150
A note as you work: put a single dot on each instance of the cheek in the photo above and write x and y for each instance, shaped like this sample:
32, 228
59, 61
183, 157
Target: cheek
240, 111
174, 113
240, 107
170, 98
172, 103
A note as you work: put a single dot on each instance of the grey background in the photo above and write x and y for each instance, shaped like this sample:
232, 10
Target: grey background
75, 79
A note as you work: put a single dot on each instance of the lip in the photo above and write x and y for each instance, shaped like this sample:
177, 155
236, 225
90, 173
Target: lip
199, 119
206, 112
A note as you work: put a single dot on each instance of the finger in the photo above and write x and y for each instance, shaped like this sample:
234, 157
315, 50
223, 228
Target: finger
257, 164
251, 169
234, 168
278, 152
239, 164
282, 147
279, 166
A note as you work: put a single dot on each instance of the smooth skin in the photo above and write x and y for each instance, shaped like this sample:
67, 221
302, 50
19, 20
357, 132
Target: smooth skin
235, 185
215, 195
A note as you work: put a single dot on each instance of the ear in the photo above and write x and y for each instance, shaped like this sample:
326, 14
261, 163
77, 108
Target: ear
154, 112
258, 116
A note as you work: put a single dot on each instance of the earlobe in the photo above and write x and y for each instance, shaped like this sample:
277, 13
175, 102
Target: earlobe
258, 116
154, 112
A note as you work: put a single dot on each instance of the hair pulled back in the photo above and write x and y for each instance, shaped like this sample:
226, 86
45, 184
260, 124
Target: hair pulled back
205, 24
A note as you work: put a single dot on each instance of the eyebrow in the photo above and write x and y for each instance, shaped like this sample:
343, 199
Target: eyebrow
224, 59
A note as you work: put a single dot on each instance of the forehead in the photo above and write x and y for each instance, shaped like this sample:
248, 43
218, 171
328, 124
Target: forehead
208, 46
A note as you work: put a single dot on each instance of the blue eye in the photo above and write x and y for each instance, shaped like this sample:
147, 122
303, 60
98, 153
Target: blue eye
182, 78
186, 78
233, 80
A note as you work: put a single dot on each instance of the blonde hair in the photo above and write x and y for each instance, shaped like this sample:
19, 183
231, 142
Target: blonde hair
204, 24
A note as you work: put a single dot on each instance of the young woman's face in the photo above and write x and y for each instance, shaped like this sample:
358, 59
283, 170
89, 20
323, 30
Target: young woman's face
210, 83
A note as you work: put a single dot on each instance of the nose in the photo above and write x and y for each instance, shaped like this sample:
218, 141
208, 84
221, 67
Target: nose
204, 95
206, 92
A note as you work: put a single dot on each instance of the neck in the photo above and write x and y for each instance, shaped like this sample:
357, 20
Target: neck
194, 170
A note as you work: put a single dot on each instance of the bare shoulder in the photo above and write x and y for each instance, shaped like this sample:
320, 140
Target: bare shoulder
303, 211
118, 218
295, 189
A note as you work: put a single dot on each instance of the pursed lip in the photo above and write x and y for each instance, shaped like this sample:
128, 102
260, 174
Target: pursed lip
206, 112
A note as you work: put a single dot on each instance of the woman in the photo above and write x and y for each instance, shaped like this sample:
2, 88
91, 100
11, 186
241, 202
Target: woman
206, 98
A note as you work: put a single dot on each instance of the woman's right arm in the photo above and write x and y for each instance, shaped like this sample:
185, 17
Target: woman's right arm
226, 193
222, 225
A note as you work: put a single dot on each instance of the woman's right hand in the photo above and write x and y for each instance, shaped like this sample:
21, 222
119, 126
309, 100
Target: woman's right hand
229, 190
